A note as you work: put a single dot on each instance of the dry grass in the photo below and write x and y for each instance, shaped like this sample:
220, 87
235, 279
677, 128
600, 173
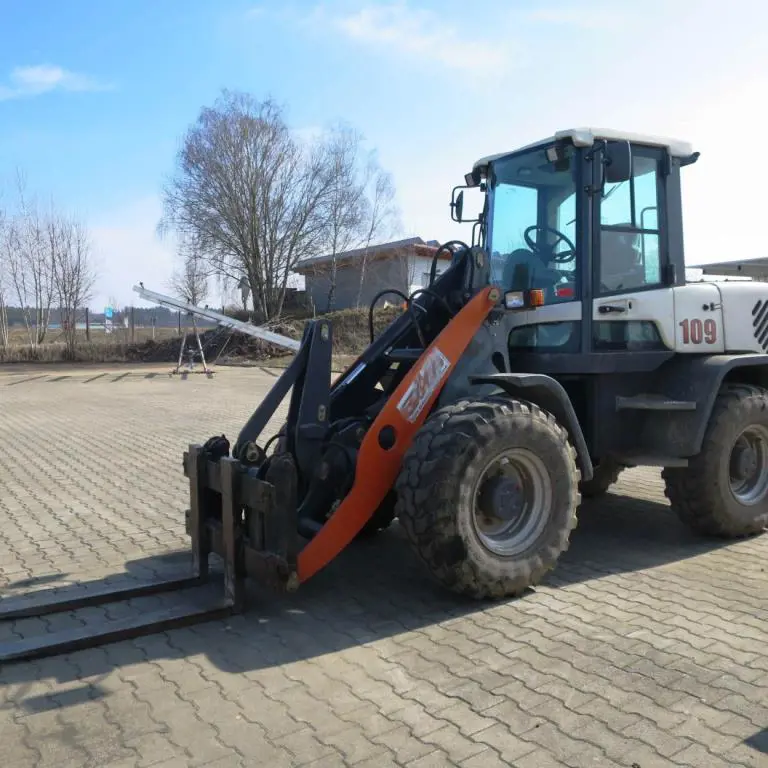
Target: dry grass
350, 337
102, 347
19, 337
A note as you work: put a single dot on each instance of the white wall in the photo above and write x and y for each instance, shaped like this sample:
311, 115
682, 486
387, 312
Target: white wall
418, 271
379, 274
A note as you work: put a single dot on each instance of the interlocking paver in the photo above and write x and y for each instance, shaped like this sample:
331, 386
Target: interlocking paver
646, 645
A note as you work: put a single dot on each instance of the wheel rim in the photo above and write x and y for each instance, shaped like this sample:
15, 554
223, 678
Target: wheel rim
748, 466
511, 502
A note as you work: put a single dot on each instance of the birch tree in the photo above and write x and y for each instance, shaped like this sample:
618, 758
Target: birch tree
250, 195
191, 281
4, 329
346, 205
30, 268
381, 218
73, 275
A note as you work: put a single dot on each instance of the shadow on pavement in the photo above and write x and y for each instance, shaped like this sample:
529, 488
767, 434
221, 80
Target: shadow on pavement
376, 589
759, 741
36, 581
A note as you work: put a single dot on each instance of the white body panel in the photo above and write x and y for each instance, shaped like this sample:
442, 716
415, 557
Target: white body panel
743, 320
689, 318
554, 313
697, 318
653, 306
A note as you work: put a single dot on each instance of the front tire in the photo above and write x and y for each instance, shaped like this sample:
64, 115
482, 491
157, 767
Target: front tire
482, 531
723, 491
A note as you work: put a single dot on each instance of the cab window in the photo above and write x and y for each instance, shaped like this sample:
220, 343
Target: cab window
533, 223
629, 245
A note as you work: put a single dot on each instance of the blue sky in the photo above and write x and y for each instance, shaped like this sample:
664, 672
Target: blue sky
95, 96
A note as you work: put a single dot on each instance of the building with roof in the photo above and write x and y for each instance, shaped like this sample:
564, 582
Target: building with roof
363, 272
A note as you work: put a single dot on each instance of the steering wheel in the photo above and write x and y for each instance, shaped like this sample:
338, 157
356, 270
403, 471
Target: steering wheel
559, 258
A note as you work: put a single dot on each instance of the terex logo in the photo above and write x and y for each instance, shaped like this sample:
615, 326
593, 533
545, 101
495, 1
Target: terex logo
426, 382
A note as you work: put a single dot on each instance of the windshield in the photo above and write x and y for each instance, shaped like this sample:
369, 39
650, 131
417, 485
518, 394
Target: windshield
532, 235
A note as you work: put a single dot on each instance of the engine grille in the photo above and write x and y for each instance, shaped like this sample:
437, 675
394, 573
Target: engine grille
760, 323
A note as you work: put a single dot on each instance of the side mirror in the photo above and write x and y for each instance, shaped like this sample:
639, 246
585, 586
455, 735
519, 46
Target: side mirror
617, 161
458, 206
457, 202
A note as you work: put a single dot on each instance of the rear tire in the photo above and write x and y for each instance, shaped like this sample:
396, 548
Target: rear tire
605, 474
724, 489
448, 507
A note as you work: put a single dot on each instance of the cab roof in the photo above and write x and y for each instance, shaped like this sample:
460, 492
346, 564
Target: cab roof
585, 137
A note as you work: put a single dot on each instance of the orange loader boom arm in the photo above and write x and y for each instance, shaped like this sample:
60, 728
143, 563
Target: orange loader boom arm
384, 445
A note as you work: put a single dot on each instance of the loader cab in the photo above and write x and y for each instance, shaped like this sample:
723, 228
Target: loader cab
584, 233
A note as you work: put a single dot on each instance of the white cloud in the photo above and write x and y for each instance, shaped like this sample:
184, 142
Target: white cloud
587, 17
44, 78
128, 250
398, 29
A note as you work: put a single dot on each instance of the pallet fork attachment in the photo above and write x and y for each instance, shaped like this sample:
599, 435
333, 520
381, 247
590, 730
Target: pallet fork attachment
251, 509
184, 613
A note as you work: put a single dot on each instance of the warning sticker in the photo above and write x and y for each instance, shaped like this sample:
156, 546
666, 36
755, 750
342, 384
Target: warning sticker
427, 380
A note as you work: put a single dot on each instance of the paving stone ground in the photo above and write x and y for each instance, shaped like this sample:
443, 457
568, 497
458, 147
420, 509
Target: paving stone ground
645, 647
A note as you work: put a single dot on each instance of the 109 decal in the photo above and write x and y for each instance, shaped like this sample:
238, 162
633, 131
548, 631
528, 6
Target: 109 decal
698, 331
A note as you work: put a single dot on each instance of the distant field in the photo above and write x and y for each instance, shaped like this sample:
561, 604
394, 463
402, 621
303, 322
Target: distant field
102, 347
145, 344
19, 335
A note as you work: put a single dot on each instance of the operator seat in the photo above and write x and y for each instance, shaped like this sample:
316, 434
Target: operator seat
620, 266
517, 258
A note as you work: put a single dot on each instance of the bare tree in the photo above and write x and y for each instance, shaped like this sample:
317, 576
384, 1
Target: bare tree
380, 219
190, 283
346, 204
73, 276
4, 329
360, 206
30, 266
250, 195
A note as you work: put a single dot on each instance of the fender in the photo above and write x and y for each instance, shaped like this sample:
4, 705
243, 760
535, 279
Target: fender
697, 378
550, 395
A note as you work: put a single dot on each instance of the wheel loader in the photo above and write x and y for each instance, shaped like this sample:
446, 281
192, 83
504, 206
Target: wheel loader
562, 345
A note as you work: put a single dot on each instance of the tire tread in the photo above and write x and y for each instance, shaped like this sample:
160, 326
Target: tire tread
426, 508
693, 491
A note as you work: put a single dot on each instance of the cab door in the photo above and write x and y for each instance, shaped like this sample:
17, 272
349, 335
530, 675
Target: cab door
632, 309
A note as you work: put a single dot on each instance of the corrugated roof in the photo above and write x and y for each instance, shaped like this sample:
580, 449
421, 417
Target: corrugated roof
373, 250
